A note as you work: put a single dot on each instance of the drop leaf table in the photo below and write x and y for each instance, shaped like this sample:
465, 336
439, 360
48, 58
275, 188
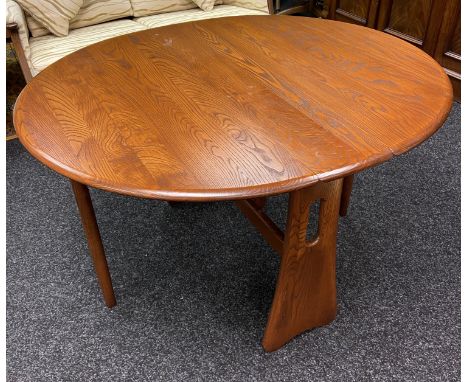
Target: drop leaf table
238, 108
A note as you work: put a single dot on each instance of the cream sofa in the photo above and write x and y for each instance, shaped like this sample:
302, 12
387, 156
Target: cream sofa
98, 20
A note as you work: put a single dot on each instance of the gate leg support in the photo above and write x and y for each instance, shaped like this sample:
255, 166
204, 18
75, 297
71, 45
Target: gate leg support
305, 295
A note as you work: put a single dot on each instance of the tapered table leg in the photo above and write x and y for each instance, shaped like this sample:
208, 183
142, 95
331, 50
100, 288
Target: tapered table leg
305, 295
90, 226
346, 194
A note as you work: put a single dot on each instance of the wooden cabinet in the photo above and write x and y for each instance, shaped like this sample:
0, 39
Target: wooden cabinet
448, 48
432, 25
414, 21
362, 12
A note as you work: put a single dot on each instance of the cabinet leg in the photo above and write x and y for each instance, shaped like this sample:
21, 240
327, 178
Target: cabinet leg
305, 295
90, 226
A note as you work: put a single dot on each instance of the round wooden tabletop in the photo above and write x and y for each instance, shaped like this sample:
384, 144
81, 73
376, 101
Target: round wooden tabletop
231, 108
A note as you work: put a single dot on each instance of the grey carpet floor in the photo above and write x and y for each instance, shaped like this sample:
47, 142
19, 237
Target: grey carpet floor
194, 283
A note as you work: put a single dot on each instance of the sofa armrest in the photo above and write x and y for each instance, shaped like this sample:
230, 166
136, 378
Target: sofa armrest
17, 30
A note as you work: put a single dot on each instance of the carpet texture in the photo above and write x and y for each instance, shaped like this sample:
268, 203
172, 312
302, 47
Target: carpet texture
194, 283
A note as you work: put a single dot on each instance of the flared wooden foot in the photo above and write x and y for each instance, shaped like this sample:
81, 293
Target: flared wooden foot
305, 295
90, 226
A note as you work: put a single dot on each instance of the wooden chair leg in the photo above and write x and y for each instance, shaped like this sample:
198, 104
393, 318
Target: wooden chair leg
90, 226
305, 295
346, 194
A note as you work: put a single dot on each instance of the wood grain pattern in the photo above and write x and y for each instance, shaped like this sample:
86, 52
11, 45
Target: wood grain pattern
305, 295
231, 108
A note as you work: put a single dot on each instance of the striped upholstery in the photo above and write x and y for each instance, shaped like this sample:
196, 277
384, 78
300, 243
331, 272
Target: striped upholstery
94, 12
261, 5
91, 13
48, 49
14, 14
195, 14
206, 5
35, 28
152, 7
53, 15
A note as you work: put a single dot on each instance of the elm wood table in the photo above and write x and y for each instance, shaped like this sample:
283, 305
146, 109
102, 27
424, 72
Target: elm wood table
238, 109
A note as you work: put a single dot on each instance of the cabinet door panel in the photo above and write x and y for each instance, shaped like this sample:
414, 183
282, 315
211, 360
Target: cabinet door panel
455, 46
410, 17
359, 8
451, 57
448, 49
409, 20
361, 12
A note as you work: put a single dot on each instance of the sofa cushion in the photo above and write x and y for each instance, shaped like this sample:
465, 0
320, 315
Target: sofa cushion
91, 13
46, 50
206, 5
35, 27
261, 5
195, 14
55, 16
98, 11
152, 7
